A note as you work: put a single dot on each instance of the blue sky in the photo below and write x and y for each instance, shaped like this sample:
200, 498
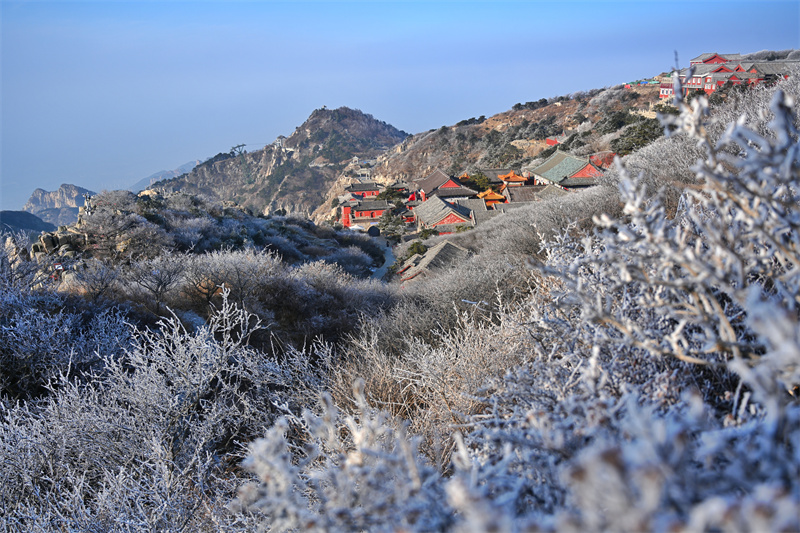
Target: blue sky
102, 94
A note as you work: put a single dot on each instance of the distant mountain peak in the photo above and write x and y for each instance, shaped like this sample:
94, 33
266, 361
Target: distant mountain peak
296, 172
59, 207
145, 183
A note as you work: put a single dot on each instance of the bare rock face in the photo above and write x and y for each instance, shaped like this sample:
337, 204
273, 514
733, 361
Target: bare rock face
59, 207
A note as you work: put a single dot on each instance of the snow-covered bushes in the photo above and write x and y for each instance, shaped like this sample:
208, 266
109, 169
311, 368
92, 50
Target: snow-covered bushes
43, 335
151, 441
358, 472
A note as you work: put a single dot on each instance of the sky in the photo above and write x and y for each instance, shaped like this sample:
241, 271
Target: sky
101, 94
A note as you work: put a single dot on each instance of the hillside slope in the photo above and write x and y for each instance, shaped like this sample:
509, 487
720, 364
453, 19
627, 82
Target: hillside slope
584, 123
514, 138
294, 172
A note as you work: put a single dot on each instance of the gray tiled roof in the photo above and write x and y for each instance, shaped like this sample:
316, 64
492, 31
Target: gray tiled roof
554, 191
729, 57
410, 262
700, 70
454, 192
435, 209
577, 183
432, 181
374, 205
526, 193
776, 67
560, 166
480, 213
473, 204
364, 186
443, 255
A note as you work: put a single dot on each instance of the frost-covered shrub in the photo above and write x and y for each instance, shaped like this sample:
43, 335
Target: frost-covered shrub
356, 473
152, 440
324, 301
196, 233
352, 260
42, 336
153, 282
285, 248
431, 385
95, 279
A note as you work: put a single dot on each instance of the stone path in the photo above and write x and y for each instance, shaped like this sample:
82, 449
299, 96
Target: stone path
388, 259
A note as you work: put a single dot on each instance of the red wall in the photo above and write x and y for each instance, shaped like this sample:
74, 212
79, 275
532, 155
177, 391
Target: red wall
368, 214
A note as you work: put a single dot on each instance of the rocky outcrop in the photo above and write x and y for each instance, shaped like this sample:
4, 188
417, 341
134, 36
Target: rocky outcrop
64, 242
59, 207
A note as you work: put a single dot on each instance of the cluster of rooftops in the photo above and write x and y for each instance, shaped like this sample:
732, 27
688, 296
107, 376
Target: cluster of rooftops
708, 72
445, 203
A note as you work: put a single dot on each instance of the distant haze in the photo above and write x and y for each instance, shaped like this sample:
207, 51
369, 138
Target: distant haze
104, 94
163, 175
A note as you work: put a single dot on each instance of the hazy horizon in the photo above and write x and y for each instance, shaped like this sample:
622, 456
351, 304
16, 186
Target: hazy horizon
104, 94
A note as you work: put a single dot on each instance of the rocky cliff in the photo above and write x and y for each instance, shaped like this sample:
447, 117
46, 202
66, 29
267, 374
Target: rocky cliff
59, 207
294, 173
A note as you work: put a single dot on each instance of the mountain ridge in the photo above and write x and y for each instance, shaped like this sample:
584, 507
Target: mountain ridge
294, 173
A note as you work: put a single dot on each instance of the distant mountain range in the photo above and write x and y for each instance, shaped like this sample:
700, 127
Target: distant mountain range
145, 183
60, 207
23, 221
